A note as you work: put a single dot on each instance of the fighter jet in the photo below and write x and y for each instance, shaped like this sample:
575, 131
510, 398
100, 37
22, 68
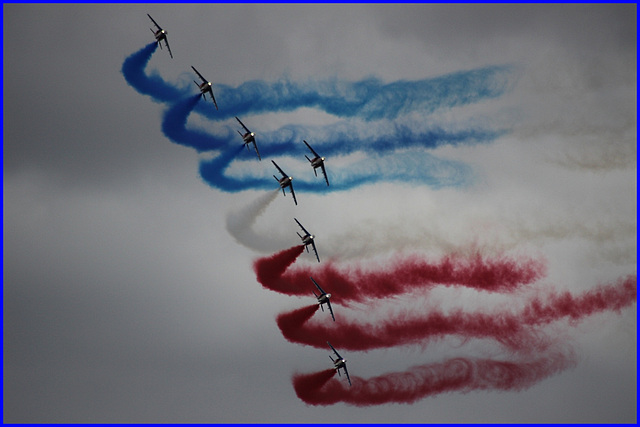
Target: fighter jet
205, 87
339, 363
323, 298
317, 162
307, 240
284, 182
160, 35
248, 137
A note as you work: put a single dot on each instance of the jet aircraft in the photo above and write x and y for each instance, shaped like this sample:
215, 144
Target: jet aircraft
339, 363
307, 239
160, 35
323, 298
317, 162
248, 137
284, 182
205, 87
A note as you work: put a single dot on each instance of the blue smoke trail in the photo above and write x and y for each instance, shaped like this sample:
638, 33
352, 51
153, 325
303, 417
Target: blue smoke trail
287, 141
367, 100
154, 86
418, 167
412, 167
174, 126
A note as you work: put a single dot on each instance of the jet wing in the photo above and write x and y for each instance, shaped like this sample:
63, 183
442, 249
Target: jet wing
154, 22
303, 229
202, 78
293, 194
322, 292
324, 172
166, 42
334, 350
214, 99
313, 243
347, 374
312, 150
242, 124
256, 147
331, 311
281, 171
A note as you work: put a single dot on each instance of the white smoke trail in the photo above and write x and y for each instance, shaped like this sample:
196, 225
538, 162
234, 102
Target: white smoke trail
240, 225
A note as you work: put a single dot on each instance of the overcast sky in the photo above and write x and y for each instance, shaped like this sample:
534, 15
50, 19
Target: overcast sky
129, 289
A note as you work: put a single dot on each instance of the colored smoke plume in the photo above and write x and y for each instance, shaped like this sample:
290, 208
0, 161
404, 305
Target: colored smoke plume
293, 320
240, 223
518, 330
407, 274
307, 385
454, 375
621, 294
368, 100
268, 269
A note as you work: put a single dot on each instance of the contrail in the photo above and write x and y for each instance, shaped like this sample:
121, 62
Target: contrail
460, 375
403, 274
240, 223
518, 330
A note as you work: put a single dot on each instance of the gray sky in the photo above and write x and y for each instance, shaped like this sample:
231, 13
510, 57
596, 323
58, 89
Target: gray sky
128, 299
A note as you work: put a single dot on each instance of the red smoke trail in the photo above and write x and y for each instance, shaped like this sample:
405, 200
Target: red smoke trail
292, 321
307, 385
270, 269
403, 275
460, 374
604, 297
514, 329
396, 331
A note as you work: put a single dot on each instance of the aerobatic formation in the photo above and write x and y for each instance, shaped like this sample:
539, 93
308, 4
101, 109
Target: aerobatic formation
532, 352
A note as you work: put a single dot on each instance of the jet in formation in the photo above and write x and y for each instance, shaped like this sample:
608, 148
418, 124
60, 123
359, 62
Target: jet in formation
160, 35
307, 239
338, 363
323, 298
248, 137
317, 162
205, 87
285, 182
